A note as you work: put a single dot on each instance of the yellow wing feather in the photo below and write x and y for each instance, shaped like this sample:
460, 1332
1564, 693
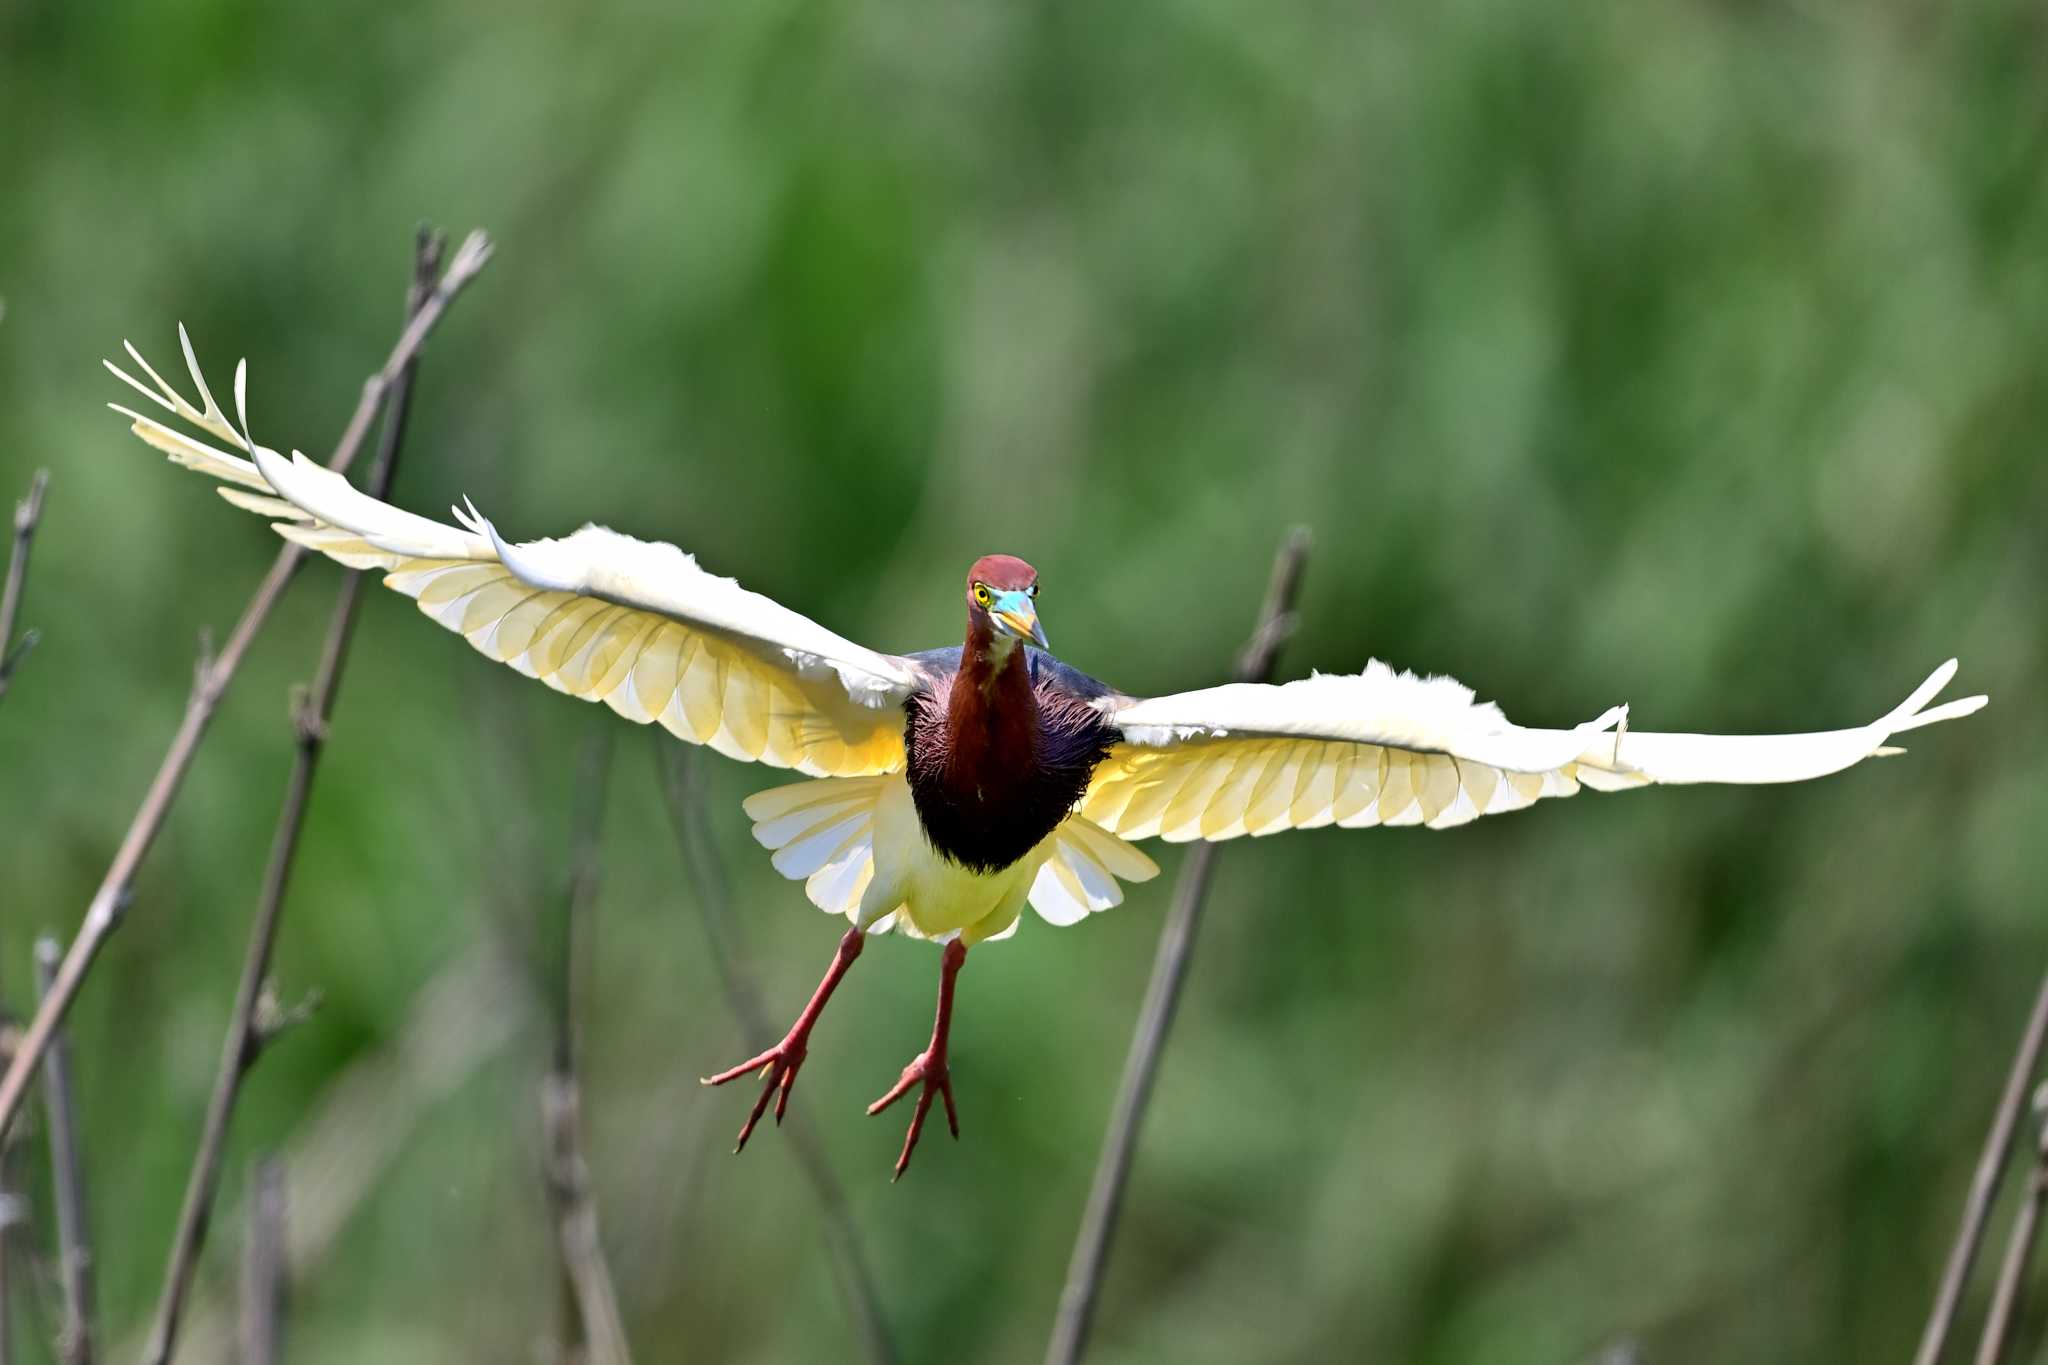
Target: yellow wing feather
785, 696
1222, 788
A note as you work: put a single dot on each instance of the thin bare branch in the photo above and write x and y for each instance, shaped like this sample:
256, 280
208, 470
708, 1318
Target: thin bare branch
67, 1178
13, 1209
586, 868
1984, 1185
1162, 995
714, 902
343, 1147
28, 514
469, 259
309, 724
10, 1214
596, 1331
103, 916
600, 1335
2019, 1245
264, 1276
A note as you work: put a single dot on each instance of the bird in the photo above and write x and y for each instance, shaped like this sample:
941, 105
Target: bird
944, 791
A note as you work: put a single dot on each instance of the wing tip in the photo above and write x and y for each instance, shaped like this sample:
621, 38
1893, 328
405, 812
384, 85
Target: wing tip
1929, 689
1951, 710
1909, 714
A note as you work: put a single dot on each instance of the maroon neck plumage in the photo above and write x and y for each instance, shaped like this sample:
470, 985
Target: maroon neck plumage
991, 716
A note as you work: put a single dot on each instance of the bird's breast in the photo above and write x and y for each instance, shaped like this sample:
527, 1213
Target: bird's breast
990, 781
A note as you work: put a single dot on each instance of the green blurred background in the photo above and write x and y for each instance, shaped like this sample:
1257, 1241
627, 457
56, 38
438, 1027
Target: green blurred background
1685, 355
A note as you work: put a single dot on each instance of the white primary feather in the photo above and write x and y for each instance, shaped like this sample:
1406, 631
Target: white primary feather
1377, 706
1381, 747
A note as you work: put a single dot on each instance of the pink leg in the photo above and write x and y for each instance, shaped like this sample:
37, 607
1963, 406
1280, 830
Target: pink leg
780, 1062
929, 1066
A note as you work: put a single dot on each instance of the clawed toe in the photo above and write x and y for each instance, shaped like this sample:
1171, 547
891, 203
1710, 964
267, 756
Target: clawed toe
779, 1064
778, 1067
936, 1078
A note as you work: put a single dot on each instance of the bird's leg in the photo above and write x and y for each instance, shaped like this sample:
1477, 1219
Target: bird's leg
779, 1063
929, 1066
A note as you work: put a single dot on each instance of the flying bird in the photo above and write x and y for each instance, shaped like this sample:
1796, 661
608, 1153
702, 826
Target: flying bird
945, 790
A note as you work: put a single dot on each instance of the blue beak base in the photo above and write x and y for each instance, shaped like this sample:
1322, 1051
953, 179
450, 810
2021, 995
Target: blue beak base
1016, 614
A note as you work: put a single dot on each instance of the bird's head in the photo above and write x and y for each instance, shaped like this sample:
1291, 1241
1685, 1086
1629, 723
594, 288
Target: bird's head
1001, 597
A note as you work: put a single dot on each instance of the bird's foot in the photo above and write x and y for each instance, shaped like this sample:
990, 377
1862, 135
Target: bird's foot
928, 1067
779, 1064
778, 1067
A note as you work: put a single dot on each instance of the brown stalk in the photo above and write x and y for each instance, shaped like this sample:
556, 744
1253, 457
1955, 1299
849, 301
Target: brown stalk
28, 514
343, 1147
1984, 1184
1162, 995
714, 902
2019, 1246
67, 1178
595, 1333
263, 1267
13, 1210
110, 902
245, 1038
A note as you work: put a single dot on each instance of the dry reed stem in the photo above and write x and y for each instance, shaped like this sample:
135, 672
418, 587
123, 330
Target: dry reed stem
245, 1040
1162, 994
1984, 1184
28, 514
599, 1335
264, 1273
361, 1122
110, 902
714, 902
2019, 1246
67, 1179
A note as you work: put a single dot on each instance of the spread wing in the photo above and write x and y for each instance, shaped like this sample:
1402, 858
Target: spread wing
1387, 748
598, 615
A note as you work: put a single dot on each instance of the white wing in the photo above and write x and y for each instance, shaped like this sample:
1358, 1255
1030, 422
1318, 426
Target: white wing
1387, 748
599, 615
1084, 872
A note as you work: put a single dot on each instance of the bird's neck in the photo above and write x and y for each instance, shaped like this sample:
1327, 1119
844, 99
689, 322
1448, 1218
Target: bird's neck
993, 663
992, 711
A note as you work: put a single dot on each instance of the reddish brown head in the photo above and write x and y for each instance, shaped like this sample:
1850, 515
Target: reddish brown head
1001, 573
1001, 606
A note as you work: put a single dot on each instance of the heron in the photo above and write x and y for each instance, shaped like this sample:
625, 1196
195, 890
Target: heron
943, 791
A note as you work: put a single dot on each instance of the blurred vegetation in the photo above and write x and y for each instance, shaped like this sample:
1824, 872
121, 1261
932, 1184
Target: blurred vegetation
1685, 355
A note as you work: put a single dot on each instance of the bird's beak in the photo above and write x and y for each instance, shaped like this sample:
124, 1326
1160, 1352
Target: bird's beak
1015, 614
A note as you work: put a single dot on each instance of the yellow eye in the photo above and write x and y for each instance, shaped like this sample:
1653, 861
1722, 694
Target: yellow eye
981, 594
